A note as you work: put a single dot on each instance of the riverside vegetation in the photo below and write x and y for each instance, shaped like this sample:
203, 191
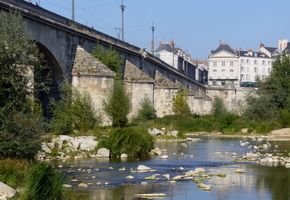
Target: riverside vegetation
22, 127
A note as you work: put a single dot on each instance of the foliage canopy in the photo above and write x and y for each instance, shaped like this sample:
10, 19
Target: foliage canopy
118, 104
74, 112
108, 57
270, 98
179, 103
21, 123
133, 141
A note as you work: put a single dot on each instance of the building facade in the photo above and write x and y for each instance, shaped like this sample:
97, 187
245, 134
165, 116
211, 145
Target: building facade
223, 66
244, 68
178, 59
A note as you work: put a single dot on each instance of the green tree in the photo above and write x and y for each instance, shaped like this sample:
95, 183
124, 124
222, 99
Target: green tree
272, 96
108, 57
118, 104
218, 106
75, 111
179, 103
146, 110
20, 123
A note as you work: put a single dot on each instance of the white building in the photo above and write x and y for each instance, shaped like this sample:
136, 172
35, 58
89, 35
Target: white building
241, 67
223, 65
178, 59
253, 65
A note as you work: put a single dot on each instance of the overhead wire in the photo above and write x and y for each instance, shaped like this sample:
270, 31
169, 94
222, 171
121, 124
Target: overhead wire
94, 24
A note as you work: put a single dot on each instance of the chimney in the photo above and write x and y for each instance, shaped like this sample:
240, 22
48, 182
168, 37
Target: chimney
250, 51
172, 44
262, 45
160, 43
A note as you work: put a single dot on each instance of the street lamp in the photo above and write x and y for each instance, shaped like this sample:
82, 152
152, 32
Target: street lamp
122, 8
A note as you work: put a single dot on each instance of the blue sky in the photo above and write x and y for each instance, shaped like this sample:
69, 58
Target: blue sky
196, 26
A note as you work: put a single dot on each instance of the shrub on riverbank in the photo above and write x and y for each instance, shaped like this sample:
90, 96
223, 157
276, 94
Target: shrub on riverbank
12, 172
74, 112
134, 141
227, 123
38, 180
43, 182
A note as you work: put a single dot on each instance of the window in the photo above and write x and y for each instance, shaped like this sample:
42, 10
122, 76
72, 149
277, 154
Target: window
248, 76
231, 63
269, 70
247, 69
255, 62
214, 63
269, 62
256, 69
231, 73
263, 70
214, 74
223, 63
242, 61
242, 69
248, 61
242, 76
223, 73
263, 62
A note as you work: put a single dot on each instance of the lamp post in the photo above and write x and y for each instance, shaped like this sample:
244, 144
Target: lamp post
122, 8
152, 45
73, 11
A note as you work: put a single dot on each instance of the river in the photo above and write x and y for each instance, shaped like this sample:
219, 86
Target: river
107, 177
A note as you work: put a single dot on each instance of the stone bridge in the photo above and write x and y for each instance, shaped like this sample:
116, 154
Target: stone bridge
67, 46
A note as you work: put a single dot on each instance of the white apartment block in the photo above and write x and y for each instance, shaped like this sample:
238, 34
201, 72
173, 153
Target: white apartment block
253, 65
223, 66
240, 67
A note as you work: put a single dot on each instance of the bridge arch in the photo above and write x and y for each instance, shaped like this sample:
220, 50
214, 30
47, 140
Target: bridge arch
54, 72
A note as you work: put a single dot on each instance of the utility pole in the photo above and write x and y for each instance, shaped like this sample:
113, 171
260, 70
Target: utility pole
152, 45
73, 11
122, 8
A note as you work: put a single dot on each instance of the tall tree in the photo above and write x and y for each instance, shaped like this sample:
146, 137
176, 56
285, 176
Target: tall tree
272, 96
118, 104
20, 124
179, 103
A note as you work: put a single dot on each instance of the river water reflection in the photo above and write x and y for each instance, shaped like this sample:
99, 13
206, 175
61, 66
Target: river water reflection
258, 182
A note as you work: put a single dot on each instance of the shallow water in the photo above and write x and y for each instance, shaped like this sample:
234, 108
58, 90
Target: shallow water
258, 181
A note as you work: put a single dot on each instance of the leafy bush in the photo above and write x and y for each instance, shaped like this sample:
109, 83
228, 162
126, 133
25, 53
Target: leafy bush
264, 128
195, 125
44, 182
134, 141
118, 104
75, 111
284, 119
218, 106
12, 172
21, 135
108, 57
179, 103
145, 112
